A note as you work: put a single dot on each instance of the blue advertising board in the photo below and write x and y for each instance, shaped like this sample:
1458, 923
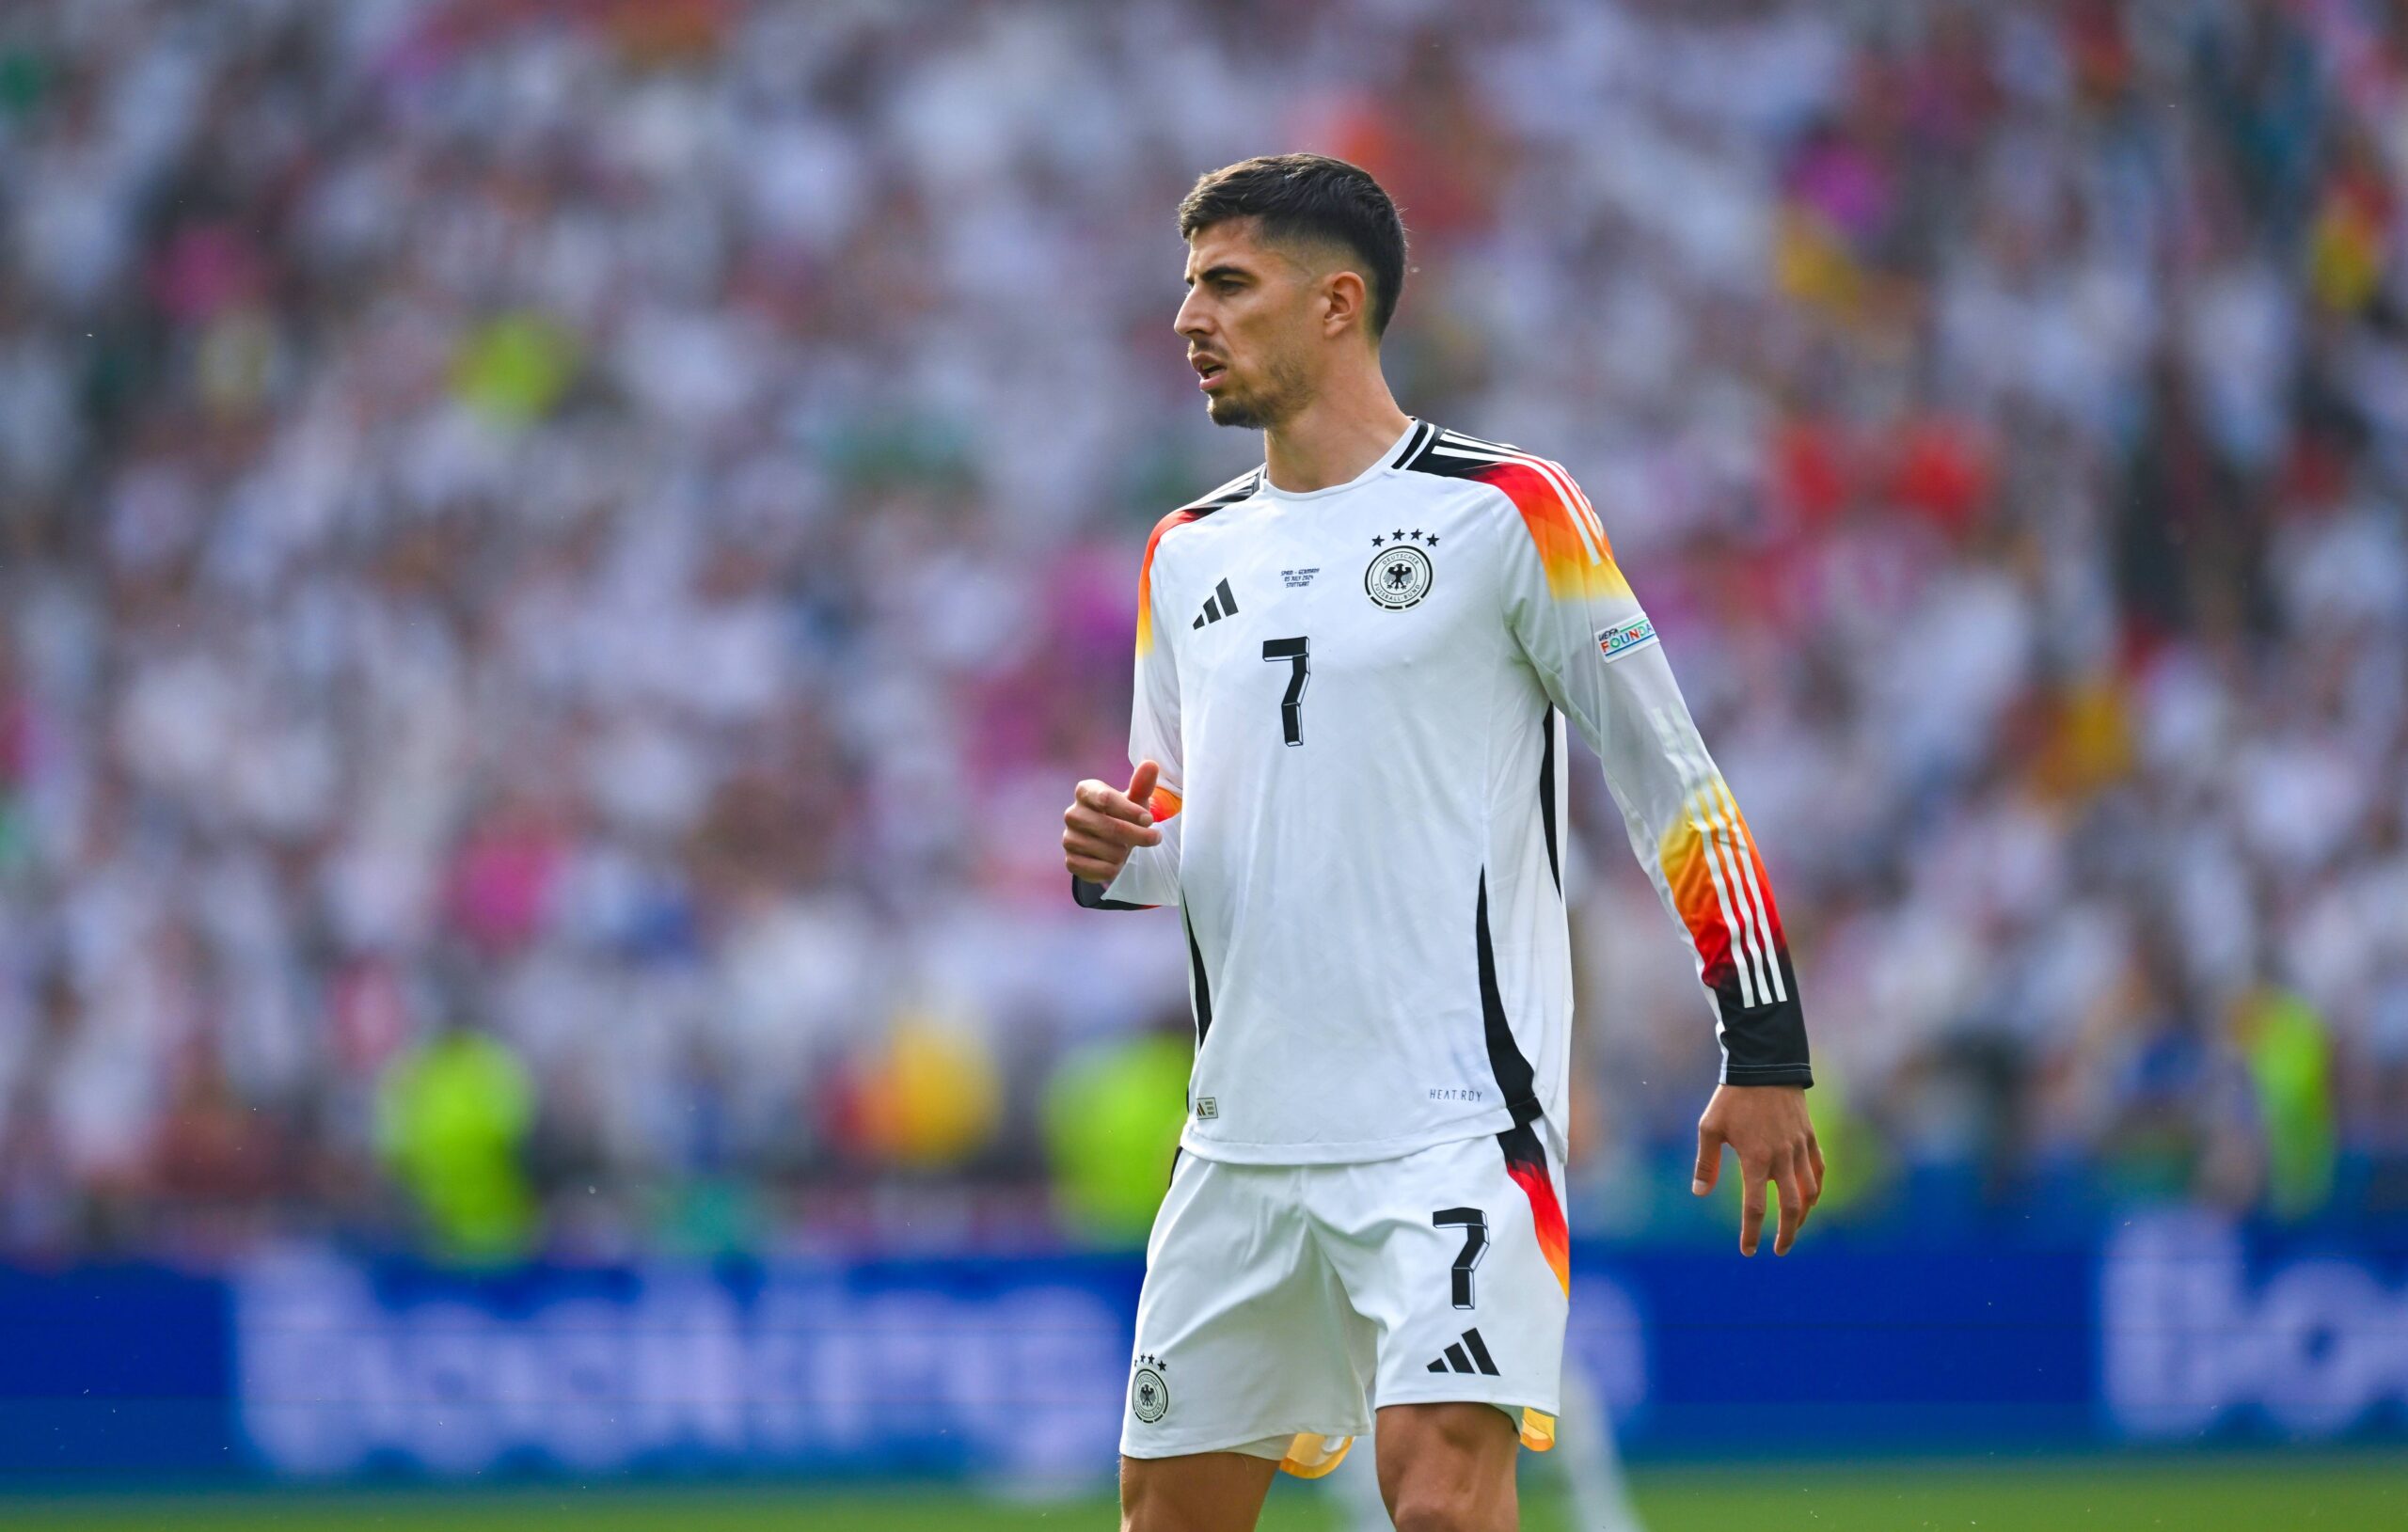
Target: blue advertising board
2173, 1328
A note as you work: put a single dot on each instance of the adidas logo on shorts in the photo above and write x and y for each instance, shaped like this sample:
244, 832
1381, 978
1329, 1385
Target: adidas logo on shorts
1478, 1359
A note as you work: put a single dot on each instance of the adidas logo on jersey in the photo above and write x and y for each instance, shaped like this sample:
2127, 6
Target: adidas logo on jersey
1221, 603
1478, 1359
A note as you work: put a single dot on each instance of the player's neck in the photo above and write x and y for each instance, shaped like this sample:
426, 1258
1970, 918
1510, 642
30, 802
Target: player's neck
1333, 439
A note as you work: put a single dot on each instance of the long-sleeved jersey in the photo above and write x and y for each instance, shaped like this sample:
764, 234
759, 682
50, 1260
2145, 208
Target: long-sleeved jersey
1358, 698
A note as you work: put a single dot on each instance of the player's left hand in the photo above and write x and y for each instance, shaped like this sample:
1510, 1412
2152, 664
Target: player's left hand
1766, 1127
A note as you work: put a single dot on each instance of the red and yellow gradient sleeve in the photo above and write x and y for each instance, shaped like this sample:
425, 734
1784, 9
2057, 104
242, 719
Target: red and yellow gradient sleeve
1709, 862
1574, 556
1145, 579
1597, 654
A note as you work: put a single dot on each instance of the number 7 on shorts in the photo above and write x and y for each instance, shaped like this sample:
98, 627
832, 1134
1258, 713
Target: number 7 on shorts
1475, 1226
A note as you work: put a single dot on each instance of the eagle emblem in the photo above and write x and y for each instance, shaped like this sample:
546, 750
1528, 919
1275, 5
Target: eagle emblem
1400, 574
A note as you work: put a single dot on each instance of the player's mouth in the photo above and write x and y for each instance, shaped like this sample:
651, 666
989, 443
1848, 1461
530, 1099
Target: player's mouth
1210, 372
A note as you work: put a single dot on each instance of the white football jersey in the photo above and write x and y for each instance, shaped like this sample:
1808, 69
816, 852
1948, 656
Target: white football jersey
1358, 697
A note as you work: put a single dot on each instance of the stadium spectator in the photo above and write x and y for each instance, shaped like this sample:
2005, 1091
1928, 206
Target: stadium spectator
646, 495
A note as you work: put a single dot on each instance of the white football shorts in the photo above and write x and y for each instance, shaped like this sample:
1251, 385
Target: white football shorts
1284, 1304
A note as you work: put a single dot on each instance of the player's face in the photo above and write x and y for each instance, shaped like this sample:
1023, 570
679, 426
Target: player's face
1248, 321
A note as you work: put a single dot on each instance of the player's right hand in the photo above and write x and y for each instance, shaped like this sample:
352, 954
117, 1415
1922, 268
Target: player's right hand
1103, 824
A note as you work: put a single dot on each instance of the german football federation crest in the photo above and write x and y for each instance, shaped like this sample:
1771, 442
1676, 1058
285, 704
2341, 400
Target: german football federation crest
1400, 572
1149, 1391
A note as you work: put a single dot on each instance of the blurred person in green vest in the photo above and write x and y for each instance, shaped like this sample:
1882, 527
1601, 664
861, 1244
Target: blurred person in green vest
1864, 1169
2289, 1052
452, 1115
1113, 1112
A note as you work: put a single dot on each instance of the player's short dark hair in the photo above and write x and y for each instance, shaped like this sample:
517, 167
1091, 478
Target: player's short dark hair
1309, 196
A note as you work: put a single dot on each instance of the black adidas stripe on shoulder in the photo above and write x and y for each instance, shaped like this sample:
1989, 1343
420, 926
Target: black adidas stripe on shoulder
1465, 438
1240, 488
1451, 454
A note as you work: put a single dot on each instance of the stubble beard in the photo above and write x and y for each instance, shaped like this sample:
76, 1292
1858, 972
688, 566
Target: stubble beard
1282, 394
1235, 412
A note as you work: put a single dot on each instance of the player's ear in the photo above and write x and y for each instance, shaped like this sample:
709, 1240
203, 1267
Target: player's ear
1342, 302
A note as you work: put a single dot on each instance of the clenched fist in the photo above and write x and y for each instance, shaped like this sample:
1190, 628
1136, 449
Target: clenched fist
1102, 825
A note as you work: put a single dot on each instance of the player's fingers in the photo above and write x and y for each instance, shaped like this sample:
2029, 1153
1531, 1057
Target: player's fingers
1086, 852
1709, 1161
1082, 820
1107, 849
1109, 800
1751, 1205
1092, 870
1091, 853
1814, 1158
1810, 1171
1141, 784
1793, 1203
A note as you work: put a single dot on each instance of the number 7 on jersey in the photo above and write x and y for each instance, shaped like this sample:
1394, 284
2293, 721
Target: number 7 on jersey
1297, 652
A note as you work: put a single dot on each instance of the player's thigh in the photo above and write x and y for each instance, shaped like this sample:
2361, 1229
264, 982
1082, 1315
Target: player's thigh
1204, 1492
1448, 1467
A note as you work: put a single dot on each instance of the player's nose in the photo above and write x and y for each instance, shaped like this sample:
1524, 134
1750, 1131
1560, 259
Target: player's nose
1193, 323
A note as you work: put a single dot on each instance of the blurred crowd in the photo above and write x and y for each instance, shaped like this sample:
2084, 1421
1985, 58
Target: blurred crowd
559, 559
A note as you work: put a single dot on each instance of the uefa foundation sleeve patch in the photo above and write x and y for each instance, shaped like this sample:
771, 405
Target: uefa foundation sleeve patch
1624, 637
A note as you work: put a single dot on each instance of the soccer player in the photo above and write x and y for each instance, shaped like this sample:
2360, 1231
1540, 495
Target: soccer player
1354, 668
